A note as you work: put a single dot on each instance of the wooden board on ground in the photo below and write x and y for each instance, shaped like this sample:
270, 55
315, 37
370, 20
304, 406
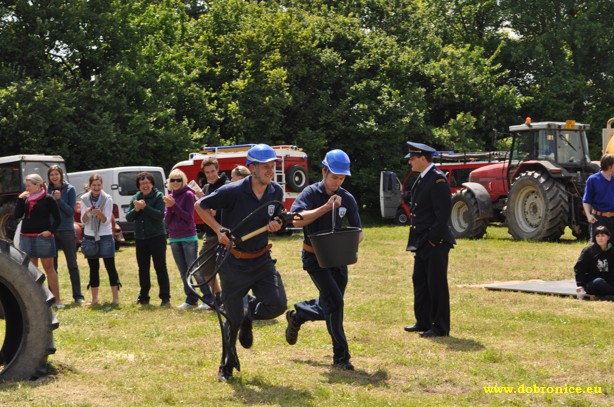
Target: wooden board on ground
565, 288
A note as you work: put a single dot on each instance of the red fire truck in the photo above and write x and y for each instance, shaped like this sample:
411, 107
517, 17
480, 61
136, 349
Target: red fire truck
291, 171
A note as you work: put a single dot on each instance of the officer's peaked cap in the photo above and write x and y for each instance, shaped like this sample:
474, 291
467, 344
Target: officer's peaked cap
419, 149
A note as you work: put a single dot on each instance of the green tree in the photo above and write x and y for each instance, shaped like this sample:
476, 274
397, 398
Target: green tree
86, 79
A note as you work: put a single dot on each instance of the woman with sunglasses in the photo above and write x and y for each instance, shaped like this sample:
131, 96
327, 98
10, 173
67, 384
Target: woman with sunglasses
179, 218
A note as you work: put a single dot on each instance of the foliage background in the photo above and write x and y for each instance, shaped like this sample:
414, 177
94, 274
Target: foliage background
109, 82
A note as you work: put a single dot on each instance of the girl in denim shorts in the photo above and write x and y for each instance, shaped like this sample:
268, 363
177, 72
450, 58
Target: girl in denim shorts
37, 209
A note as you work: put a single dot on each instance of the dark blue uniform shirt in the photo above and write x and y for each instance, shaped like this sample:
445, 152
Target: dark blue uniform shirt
315, 196
238, 200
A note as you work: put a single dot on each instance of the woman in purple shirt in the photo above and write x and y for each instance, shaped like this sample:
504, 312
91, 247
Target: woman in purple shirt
179, 218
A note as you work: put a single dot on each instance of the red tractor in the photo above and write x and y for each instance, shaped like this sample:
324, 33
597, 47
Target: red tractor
537, 192
394, 194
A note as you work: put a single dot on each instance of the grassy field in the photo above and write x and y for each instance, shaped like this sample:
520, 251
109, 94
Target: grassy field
534, 344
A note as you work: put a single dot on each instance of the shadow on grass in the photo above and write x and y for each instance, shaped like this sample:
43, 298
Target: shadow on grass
104, 307
266, 322
54, 370
459, 344
358, 376
258, 391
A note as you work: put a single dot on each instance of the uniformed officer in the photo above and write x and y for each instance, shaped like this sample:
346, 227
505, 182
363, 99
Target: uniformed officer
316, 204
249, 265
431, 239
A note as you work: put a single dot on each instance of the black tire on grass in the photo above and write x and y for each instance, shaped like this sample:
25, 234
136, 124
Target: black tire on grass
8, 223
465, 217
28, 317
537, 207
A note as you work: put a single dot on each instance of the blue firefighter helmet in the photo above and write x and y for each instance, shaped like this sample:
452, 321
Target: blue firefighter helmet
337, 162
261, 153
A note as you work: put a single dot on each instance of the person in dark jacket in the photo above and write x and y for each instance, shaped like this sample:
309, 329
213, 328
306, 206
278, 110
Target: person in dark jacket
65, 239
319, 204
593, 272
146, 210
249, 265
431, 239
210, 167
38, 209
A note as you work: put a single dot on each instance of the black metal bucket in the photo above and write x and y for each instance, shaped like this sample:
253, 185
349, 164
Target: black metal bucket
337, 248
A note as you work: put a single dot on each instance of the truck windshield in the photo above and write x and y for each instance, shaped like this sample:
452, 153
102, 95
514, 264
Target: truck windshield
10, 181
13, 174
40, 168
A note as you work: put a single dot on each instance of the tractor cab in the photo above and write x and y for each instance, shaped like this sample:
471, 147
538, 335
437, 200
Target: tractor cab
559, 147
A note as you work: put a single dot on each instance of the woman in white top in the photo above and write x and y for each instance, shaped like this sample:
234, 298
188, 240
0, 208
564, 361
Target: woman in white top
96, 215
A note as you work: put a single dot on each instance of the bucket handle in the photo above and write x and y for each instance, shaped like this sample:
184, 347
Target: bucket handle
333, 217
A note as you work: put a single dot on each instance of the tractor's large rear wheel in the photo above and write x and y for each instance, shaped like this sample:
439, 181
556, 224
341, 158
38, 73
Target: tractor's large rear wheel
465, 217
537, 208
8, 223
28, 320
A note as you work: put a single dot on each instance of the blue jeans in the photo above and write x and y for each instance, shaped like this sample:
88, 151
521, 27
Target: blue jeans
184, 254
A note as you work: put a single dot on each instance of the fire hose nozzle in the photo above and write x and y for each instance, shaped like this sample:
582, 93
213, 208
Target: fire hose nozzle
286, 218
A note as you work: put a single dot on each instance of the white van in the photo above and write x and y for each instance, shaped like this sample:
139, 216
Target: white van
120, 183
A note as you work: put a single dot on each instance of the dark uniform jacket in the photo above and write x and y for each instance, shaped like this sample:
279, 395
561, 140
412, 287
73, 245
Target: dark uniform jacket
431, 205
238, 201
209, 189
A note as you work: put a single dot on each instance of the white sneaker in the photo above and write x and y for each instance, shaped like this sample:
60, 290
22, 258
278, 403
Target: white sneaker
185, 305
204, 306
59, 306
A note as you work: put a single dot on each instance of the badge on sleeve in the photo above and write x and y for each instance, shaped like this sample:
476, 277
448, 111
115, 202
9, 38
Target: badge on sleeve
271, 210
342, 211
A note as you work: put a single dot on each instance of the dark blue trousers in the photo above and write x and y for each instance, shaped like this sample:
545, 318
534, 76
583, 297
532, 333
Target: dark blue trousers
331, 283
431, 295
153, 248
237, 277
